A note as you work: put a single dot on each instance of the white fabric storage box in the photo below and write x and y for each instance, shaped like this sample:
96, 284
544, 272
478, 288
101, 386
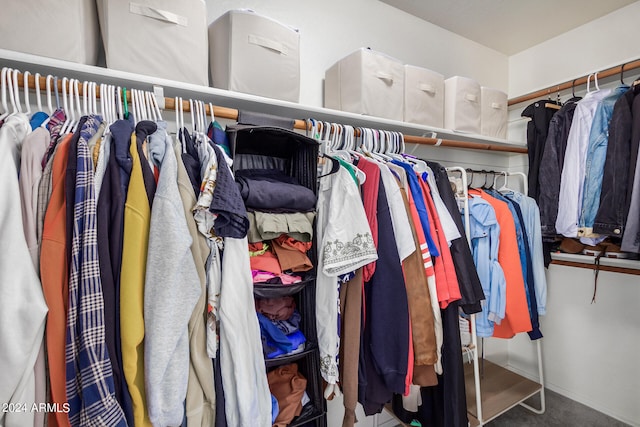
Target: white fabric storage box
62, 29
423, 96
254, 54
494, 113
366, 82
462, 104
159, 38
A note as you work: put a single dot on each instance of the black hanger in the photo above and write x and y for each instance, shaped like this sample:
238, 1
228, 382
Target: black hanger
621, 73
573, 88
335, 166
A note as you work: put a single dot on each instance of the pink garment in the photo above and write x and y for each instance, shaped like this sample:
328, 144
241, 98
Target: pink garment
260, 276
276, 308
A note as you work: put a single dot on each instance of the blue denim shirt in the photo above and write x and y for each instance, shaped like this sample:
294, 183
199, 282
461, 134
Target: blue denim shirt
485, 240
531, 217
596, 154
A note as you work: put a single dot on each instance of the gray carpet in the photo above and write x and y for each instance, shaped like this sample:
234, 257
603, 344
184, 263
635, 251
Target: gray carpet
560, 412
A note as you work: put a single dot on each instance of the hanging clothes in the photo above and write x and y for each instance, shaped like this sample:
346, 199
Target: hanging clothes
516, 312
468, 280
171, 291
596, 153
386, 337
345, 244
485, 241
110, 216
54, 270
201, 398
537, 131
552, 164
90, 387
27, 308
137, 214
619, 166
573, 171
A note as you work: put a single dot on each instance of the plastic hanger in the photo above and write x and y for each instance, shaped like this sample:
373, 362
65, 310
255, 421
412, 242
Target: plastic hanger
16, 91
193, 125
12, 95
25, 86
48, 80
76, 87
94, 96
155, 105
65, 106
118, 92
38, 94
134, 106
213, 117
85, 98
3, 88
124, 103
622, 74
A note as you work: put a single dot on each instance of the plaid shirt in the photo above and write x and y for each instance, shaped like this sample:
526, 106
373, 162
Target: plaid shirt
55, 126
90, 387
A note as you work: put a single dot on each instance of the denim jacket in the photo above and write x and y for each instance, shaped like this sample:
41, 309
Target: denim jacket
596, 153
619, 166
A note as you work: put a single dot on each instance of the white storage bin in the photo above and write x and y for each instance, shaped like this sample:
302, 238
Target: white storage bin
366, 82
62, 29
423, 96
254, 54
160, 38
462, 104
494, 113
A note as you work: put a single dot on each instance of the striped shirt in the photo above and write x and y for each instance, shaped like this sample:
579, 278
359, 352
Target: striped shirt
90, 387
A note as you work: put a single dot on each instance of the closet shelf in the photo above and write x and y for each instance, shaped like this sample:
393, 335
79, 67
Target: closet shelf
414, 133
502, 390
283, 360
614, 265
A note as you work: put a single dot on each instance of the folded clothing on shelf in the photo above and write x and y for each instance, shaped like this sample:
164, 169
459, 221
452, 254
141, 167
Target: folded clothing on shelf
260, 276
281, 337
273, 191
280, 255
267, 226
292, 254
288, 386
281, 308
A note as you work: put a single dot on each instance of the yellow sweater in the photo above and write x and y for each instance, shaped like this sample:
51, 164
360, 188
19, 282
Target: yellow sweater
137, 214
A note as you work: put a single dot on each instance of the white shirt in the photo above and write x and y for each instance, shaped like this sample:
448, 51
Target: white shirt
345, 244
572, 179
399, 216
451, 231
23, 313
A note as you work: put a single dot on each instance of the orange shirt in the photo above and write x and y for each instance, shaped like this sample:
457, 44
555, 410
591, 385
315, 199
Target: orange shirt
516, 317
446, 277
55, 281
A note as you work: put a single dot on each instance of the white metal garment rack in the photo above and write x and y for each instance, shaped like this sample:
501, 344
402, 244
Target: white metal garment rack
511, 389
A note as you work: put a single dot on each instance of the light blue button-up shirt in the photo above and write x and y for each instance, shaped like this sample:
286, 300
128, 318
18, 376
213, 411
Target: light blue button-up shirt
485, 240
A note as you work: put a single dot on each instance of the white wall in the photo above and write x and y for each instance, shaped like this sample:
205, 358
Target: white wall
331, 29
590, 351
604, 42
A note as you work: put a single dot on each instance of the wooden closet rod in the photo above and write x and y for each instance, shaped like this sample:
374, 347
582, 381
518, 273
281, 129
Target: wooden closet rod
232, 114
577, 82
